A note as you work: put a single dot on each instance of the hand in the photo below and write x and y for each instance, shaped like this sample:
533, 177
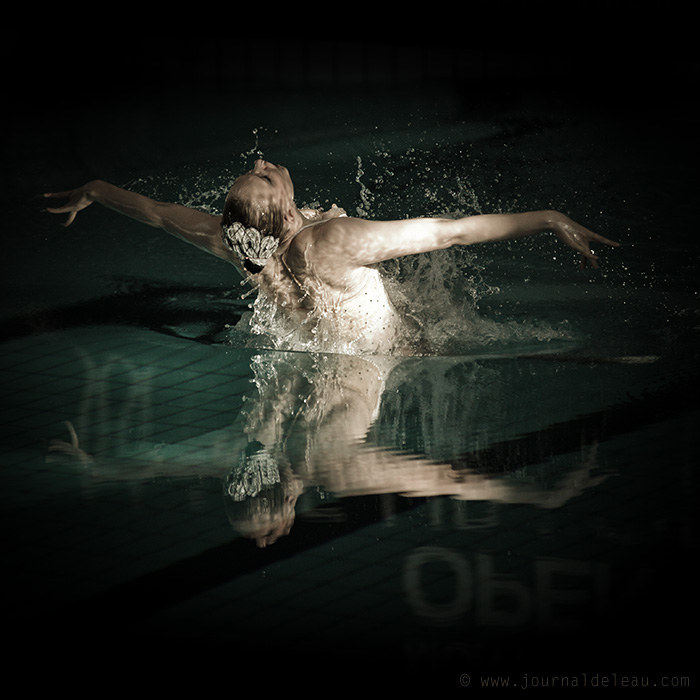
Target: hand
78, 200
580, 238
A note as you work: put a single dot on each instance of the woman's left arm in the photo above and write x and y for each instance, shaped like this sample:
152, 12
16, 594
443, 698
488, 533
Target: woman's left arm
497, 227
361, 242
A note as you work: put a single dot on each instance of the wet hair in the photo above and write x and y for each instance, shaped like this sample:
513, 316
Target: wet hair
238, 208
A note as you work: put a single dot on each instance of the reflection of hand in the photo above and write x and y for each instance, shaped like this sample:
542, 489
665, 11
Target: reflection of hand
78, 200
577, 481
71, 449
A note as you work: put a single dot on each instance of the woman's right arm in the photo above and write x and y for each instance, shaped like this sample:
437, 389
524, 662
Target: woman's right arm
196, 227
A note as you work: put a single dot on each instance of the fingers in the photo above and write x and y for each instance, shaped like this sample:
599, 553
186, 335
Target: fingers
63, 210
589, 236
66, 209
587, 255
591, 260
58, 210
606, 241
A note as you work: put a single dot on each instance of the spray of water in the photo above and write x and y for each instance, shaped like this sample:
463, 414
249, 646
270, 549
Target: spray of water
439, 293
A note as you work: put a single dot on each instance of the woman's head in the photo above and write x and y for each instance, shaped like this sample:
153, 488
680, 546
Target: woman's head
255, 213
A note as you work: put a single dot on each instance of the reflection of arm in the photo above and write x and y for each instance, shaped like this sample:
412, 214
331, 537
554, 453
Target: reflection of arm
362, 242
364, 470
196, 227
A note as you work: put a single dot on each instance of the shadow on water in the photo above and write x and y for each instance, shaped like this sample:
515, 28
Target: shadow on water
199, 313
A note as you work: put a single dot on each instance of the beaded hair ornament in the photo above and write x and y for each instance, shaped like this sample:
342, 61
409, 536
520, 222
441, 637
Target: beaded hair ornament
249, 244
256, 471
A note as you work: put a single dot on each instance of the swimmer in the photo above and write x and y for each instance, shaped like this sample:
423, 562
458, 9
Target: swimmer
317, 269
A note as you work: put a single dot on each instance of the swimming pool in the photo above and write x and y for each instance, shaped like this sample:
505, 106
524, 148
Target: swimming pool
522, 502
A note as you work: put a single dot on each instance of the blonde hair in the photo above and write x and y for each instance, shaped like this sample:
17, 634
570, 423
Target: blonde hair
239, 208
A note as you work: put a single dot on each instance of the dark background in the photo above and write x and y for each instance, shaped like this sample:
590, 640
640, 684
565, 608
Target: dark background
73, 106
114, 109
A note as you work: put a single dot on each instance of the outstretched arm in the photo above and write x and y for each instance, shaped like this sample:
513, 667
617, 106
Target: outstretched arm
199, 228
363, 242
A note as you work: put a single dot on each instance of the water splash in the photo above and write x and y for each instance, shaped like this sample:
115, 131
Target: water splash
365, 194
440, 293
443, 291
255, 149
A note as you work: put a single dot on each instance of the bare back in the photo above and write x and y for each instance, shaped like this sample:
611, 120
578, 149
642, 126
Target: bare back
322, 300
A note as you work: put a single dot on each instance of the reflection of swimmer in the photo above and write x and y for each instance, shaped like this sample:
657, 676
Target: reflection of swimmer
309, 428
316, 425
311, 414
314, 269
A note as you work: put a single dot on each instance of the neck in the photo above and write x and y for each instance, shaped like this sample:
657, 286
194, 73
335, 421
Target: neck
296, 220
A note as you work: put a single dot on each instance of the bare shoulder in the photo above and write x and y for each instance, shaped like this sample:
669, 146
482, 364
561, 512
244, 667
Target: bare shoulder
324, 251
357, 243
335, 237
